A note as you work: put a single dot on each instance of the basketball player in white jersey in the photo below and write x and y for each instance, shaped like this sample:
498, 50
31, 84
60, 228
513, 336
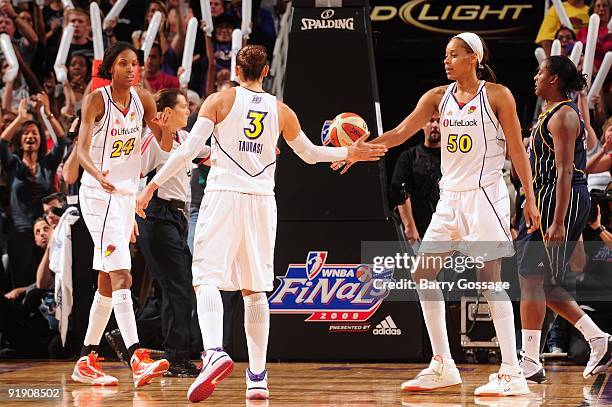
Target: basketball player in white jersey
478, 121
235, 233
110, 153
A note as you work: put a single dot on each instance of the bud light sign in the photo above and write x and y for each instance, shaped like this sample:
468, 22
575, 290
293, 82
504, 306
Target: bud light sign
329, 292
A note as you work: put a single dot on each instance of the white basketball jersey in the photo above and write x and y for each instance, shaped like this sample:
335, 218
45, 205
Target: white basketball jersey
243, 146
115, 144
473, 143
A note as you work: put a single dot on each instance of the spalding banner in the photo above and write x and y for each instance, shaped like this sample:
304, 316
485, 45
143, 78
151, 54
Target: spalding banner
328, 292
331, 19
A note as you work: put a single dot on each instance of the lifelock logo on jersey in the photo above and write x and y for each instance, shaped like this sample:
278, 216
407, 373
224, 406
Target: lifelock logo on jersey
459, 123
124, 132
387, 327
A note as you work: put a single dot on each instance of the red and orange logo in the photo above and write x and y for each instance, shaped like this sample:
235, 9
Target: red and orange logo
109, 250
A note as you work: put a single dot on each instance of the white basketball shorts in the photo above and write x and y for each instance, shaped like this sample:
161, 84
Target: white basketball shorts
475, 223
110, 220
234, 241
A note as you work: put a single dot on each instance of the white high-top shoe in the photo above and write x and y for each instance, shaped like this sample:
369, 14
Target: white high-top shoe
438, 375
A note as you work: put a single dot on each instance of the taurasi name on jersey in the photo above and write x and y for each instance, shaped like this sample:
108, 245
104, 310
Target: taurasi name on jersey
250, 147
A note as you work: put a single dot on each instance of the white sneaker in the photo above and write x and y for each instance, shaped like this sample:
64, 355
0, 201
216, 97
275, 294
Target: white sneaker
257, 385
532, 370
601, 356
509, 381
436, 376
216, 366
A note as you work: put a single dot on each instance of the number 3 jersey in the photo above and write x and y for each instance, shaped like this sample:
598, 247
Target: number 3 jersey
243, 145
473, 144
115, 144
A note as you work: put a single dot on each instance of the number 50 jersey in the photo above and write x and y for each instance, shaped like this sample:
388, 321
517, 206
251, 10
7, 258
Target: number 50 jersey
115, 144
243, 146
473, 143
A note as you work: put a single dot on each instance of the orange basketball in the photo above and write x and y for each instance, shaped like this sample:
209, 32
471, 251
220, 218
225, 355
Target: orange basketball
346, 128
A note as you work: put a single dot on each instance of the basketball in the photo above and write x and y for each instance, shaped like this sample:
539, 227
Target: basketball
346, 128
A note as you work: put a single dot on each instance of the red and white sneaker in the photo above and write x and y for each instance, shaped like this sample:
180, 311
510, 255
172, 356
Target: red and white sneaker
146, 369
88, 371
216, 366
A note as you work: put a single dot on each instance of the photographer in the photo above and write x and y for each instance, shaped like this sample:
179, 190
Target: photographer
30, 175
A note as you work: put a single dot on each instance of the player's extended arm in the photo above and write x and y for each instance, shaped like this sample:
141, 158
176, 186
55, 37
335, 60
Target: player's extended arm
93, 106
312, 154
415, 121
563, 128
183, 156
506, 113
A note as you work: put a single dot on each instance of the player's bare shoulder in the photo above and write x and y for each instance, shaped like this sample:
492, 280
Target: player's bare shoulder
499, 96
218, 105
435, 95
93, 105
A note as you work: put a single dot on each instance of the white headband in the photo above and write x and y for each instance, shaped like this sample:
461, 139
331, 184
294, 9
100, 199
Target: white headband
474, 42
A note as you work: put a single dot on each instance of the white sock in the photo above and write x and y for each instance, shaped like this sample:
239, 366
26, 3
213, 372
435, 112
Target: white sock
434, 313
256, 326
99, 314
210, 316
503, 319
588, 328
124, 314
531, 343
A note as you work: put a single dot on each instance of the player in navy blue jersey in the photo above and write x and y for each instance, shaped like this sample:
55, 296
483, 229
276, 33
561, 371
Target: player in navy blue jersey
558, 161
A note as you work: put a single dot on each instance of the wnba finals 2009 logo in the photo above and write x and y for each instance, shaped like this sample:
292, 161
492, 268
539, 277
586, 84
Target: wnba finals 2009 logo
329, 292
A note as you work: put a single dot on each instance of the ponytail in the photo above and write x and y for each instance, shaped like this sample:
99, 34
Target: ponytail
486, 73
570, 80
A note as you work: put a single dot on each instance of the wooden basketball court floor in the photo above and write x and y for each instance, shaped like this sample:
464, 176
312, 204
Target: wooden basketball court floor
302, 384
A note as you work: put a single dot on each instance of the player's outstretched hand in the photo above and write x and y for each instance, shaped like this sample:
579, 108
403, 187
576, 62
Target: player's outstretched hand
532, 216
555, 235
344, 164
360, 151
143, 200
104, 183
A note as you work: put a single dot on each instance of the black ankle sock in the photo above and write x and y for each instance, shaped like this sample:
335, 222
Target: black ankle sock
133, 348
87, 349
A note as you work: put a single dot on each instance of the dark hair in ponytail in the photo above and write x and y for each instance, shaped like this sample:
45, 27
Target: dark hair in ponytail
570, 80
167, 98
483, 70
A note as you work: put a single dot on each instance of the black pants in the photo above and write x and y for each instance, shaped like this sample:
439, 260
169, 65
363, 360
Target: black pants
163, 242
22, 326
84, 284
22, 257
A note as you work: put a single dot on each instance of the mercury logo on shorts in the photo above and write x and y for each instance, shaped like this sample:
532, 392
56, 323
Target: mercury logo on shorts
459, 123
109, 250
